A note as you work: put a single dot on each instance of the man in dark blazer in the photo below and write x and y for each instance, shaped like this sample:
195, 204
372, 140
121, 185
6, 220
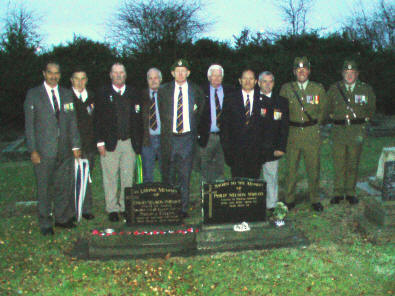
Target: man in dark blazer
180, 105
84, 104
118, 126
211, 152
52, 139
151, 121
242, 128
276, 133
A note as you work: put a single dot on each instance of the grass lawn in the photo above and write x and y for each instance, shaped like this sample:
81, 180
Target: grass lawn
339, 260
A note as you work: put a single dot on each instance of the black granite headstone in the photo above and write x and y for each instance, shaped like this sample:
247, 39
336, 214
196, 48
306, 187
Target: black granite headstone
234, 201
388, 191
152, 204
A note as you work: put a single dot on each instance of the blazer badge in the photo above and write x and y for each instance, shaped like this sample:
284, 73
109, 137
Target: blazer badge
68, 107
277, 114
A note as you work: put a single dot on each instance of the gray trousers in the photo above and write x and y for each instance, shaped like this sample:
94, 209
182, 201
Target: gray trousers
55, 185
181, 160
212, 160
270, 175
148, 155
118, 164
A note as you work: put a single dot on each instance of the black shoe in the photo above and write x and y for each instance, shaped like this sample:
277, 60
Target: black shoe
47, 231
318, 207
336, 199
69, 224
290, 205
88, 216
352, 199
113, 217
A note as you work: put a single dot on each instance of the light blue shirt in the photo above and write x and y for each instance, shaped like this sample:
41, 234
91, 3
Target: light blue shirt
157, 131
220, 93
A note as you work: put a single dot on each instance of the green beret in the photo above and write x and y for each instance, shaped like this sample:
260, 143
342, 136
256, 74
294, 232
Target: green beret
180, 63
350, 65
301, 62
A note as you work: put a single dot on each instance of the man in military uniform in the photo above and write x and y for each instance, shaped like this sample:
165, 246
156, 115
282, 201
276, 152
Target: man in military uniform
307, 109
352, 105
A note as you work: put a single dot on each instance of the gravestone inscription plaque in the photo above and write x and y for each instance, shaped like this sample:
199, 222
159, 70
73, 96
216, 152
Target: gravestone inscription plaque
152, 204
388, 189
234, 201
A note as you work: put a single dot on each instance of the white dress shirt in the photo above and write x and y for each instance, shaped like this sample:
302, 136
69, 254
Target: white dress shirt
49, 92
251, 98
81, 95
185, 108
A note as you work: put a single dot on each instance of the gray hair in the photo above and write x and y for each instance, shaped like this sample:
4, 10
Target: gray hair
267, 73
215, 67
156, 70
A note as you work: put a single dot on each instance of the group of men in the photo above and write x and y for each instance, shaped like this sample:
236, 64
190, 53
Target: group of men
249, 128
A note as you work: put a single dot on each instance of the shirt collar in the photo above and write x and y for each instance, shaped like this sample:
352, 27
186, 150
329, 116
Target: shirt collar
49, 88
83, 95
122, 89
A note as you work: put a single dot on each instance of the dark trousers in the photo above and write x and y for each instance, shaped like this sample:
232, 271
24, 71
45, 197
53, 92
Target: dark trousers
181, 160
149, 154
88, 201
54, 185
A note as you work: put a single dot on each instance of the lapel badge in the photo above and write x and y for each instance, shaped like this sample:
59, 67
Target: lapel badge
110, 98
137, 108
349, 67
195, 107
263, 112
277, 114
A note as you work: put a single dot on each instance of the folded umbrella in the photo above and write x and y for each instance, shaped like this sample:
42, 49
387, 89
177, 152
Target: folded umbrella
82, 177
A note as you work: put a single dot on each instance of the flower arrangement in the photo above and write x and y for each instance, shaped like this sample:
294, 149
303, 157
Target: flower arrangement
280, 211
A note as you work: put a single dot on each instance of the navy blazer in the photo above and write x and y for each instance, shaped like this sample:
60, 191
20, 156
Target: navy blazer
106, 118
239, 138
276, 124
205, 120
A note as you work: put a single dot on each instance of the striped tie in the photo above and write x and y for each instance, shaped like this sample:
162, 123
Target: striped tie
180, 126
247, 111
217, 108
152, 113
55, 104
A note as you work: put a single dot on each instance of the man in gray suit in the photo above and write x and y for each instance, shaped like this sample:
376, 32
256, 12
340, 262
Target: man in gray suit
52, 139
180, 105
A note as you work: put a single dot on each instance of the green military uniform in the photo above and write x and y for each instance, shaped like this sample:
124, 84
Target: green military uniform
304, 132
349, 130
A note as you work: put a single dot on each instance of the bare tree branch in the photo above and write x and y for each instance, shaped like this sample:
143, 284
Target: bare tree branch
151, 25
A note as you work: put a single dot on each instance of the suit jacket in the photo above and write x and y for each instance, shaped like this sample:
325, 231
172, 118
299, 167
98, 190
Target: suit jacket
105, 119
238, 138
166, 105
276, 125
146, 104
44, 133
205, 120
85, 112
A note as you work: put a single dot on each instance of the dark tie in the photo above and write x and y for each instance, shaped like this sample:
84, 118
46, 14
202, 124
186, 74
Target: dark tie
152, 113
247, 111
55, 104
180, 126
217, 108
